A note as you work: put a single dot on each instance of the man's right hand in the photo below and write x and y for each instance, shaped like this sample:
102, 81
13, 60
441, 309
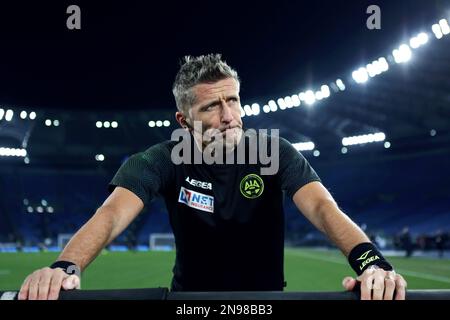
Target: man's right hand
46, 283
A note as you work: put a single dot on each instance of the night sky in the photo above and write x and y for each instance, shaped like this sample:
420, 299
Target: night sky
126, 54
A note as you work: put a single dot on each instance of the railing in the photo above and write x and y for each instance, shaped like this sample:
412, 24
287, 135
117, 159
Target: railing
165, 294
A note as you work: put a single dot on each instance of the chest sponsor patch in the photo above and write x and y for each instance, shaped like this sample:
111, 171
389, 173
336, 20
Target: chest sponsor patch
196, 200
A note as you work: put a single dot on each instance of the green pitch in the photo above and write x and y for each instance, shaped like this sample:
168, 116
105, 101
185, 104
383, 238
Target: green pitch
305, 270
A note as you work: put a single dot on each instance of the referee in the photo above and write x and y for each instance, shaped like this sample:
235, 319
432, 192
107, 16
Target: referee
227, 219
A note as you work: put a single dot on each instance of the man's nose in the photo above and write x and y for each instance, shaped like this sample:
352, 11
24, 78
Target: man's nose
227, 115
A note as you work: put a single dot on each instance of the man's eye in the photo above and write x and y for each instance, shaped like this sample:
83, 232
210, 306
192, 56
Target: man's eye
211, 107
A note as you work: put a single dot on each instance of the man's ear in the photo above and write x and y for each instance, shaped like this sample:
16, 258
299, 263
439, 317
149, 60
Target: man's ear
181, 119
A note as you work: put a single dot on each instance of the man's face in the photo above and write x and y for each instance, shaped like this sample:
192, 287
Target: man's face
217, 106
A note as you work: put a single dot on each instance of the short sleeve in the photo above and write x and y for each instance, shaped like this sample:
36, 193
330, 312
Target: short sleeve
295, 171
146, 174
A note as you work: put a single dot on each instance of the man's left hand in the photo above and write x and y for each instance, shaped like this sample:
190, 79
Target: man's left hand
378, 284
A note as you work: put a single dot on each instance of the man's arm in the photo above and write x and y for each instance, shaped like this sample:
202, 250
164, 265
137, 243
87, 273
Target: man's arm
115, 214
319, 207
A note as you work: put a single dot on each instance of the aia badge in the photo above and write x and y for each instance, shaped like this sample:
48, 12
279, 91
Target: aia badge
252, 186
196, 200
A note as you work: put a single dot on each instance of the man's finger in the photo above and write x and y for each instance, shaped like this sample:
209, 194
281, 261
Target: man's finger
378, 286
348, 283
44, 283
34, 283
55, 285
71, 282
389, 287
400, 287
366, 287
23, 293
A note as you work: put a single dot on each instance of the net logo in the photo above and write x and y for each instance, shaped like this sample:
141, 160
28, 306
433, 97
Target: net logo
196, 200
252, 186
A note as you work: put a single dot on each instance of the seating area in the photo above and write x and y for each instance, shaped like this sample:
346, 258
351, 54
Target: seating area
381, 196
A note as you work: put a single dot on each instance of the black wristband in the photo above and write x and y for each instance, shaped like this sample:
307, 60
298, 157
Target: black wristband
67, 266
366, 254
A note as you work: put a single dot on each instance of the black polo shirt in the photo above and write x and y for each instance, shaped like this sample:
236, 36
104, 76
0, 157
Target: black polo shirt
227, 220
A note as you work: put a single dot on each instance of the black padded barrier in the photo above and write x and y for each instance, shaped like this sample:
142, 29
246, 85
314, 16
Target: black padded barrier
165, 294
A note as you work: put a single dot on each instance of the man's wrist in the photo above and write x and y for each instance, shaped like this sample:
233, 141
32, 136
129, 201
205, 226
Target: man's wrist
365, 255
68, 267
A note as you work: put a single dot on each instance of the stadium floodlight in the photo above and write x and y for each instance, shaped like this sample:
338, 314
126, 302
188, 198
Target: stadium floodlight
432, 132
443, 23
384, 66
266, 108
30, 209
418, 40
319, 95
325, 91
12, 152
344, 150
32, 115
363, 139
273, 106
387, 145
114, 124
316, 153
23, 115
26, 160
159, 123
106, 124
56, 123
310, 98
423, 38
151, 124
380, 136
98, 124
281, 103
99, 157
304, 146
360, 75
437, 31
340, 84
40, 209
295, 100
50, 209
255, 109
242, 112
414, 43
166, 123
48, 122
44, 202
26, 202
402, 54
301, 96
2, 113
288, 102
9, 115
373, 69
248, 110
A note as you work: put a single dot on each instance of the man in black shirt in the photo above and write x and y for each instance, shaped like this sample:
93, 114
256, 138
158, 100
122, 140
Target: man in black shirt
227, 218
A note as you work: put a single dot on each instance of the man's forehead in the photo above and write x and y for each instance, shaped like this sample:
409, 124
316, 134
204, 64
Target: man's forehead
212, 90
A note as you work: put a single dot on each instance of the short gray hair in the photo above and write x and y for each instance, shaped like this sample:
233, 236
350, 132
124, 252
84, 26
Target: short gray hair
195, 70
